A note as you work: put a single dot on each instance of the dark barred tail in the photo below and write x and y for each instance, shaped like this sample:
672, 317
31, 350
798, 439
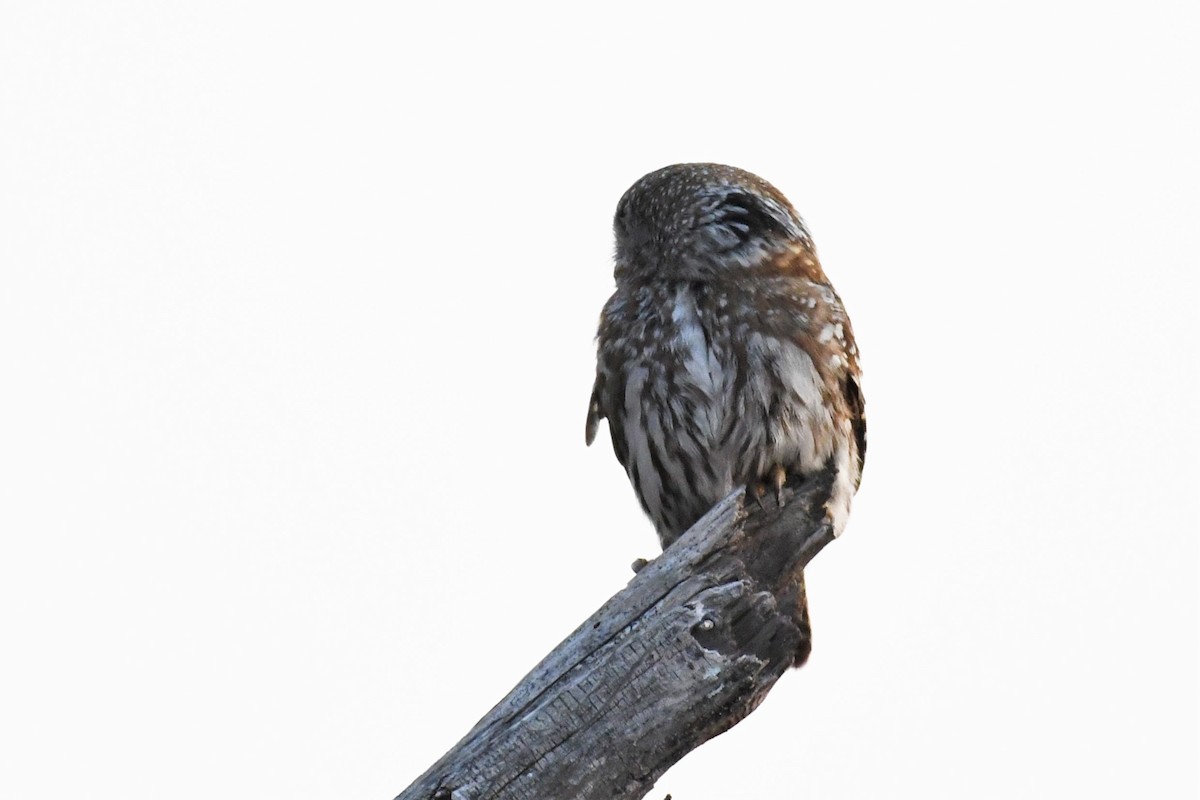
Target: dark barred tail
800, 617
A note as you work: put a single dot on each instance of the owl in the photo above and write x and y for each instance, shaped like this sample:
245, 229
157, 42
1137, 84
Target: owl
724, 357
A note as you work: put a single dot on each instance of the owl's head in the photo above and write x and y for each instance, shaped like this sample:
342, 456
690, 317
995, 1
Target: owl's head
701, 222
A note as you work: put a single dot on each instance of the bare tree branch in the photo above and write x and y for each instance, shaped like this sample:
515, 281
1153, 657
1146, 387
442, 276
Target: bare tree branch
684, 652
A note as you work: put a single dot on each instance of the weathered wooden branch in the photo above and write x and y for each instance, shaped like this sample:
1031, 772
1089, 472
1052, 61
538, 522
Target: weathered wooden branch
684, 652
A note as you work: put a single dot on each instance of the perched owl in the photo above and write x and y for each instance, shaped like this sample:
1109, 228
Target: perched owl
724, 358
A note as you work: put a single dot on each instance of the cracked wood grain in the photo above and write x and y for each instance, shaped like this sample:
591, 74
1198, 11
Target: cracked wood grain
685, 651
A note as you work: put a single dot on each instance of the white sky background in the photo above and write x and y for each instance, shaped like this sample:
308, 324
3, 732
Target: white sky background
296, 346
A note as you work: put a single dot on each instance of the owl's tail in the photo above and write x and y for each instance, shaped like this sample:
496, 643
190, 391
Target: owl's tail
800, 617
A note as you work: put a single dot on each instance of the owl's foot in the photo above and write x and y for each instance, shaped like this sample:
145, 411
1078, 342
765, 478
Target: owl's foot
639, 564
759, 491
778, 479
775, 479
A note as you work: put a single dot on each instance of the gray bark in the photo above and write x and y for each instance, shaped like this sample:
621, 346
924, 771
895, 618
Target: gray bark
685, 651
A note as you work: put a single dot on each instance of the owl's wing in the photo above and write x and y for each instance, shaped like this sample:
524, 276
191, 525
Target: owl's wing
858, 420
595, 413
600, 408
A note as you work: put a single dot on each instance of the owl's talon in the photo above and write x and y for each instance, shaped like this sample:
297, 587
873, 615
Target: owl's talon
778, 479
759, 490
638, 565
